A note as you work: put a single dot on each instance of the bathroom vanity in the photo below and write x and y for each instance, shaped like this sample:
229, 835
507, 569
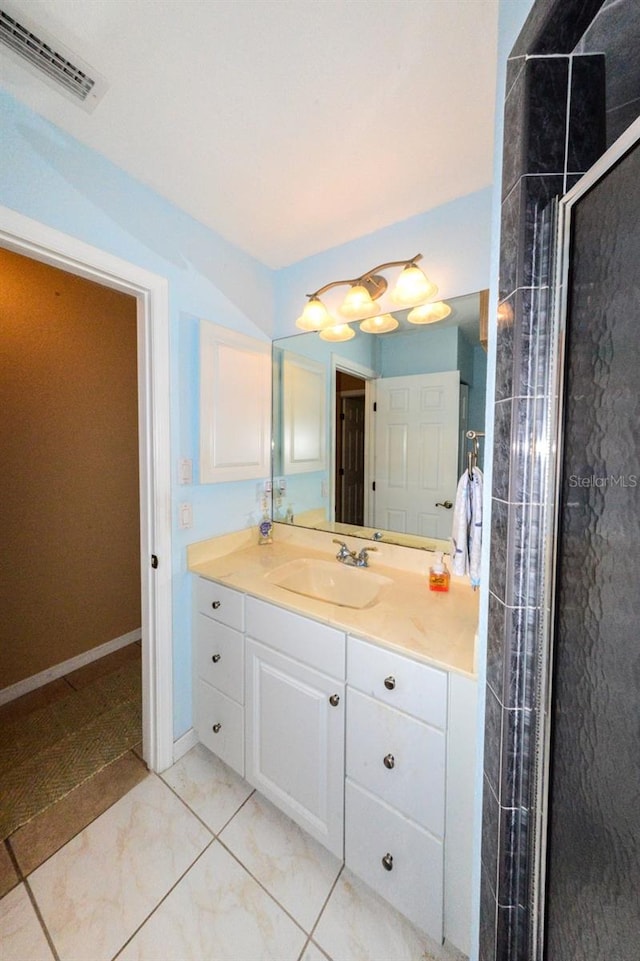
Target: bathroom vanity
358, 722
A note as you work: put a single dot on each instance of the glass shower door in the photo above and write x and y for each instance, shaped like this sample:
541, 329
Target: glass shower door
593, 831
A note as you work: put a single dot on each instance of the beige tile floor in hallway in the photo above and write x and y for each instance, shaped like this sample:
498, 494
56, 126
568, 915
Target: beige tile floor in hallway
196, 866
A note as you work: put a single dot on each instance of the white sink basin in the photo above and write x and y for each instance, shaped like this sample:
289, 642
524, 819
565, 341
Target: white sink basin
330, 581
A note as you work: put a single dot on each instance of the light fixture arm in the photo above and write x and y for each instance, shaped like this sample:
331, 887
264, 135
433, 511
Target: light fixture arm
367, 274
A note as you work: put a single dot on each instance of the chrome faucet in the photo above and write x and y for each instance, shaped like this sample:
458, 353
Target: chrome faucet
350, 558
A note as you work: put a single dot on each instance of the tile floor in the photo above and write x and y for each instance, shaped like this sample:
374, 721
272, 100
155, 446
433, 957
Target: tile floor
196, 866
34, 842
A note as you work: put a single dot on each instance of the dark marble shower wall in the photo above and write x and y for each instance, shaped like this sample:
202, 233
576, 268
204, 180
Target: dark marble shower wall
615, 32
554, 131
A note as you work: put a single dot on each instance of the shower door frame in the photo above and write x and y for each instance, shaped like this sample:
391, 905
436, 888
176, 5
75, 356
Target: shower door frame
555, 446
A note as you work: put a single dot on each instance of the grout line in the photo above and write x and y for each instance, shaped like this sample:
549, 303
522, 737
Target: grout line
14, 861
304, 948
40, 918
265, 889
163, 898
326, 901
195, 813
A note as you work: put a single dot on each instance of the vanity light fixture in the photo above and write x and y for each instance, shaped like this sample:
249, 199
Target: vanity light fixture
429, 313
383, 324
358, 304
412, 287
315, 316
337, 333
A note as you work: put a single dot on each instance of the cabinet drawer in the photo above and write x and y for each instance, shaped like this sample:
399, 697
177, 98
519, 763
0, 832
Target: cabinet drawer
315, 644
220, 657
213, 708
414, 885
221, 603
397, 758
398, 681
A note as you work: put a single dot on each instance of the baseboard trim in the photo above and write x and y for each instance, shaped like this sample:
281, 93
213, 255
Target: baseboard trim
66, 667
184, 744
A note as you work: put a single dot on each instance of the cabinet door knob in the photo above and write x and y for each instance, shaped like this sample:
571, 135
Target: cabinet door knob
215, 605
216, 727
387, 862
390, 682
215, 658
389, 761
334, 700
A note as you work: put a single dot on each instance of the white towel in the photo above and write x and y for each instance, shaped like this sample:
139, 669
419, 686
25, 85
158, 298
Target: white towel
466, 537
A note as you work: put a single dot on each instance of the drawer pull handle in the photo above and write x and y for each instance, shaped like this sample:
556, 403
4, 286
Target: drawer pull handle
387, 862
389, 761
215, 605
334, 700
215, 658
390, 682
216, 727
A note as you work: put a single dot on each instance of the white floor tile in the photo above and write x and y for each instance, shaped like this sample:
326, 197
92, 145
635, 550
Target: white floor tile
21, 935
208, 786
357, 925
293, 867
218, 913
102, 885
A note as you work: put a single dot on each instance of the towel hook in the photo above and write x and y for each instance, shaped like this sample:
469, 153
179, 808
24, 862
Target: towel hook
472, 455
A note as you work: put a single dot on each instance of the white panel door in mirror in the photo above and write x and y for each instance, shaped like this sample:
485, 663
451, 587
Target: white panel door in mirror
304, 405
416, 452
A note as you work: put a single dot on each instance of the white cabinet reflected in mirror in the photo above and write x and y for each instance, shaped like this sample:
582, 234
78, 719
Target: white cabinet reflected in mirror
369, 434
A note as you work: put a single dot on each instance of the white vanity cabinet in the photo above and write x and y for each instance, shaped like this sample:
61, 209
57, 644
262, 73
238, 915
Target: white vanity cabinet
395, 783
295, 670
369, 750
219, 671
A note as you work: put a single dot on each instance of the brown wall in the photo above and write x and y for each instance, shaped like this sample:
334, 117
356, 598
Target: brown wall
69, 505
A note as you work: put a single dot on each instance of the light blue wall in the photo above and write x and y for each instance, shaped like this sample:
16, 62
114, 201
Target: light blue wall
426, 351
50, 177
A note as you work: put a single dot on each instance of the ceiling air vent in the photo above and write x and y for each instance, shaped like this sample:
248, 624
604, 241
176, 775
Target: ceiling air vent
50, 58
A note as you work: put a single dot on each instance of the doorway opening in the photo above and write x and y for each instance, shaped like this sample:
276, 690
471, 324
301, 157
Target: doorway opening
41, 243
350, 448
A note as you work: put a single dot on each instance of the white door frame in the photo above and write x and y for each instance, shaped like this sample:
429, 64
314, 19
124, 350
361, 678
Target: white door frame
40, 242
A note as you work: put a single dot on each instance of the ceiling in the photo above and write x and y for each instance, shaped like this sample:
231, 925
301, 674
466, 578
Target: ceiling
286, 126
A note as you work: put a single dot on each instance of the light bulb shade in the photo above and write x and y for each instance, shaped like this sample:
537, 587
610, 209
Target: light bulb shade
358, 304
412, 287
383, 324
429, 313
315, 316
337, 333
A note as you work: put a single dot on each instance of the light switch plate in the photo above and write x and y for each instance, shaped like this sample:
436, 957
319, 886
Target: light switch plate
185, 515
185, 470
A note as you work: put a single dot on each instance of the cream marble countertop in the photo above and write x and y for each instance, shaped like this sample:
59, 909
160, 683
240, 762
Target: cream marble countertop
437, 628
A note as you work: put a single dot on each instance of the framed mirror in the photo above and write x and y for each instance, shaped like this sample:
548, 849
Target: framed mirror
369, 434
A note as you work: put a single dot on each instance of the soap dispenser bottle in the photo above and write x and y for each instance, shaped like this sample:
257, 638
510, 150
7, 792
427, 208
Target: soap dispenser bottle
438, 574
265, 527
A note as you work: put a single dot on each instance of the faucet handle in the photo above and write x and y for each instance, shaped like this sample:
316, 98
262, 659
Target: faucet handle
363, 556
344, 550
